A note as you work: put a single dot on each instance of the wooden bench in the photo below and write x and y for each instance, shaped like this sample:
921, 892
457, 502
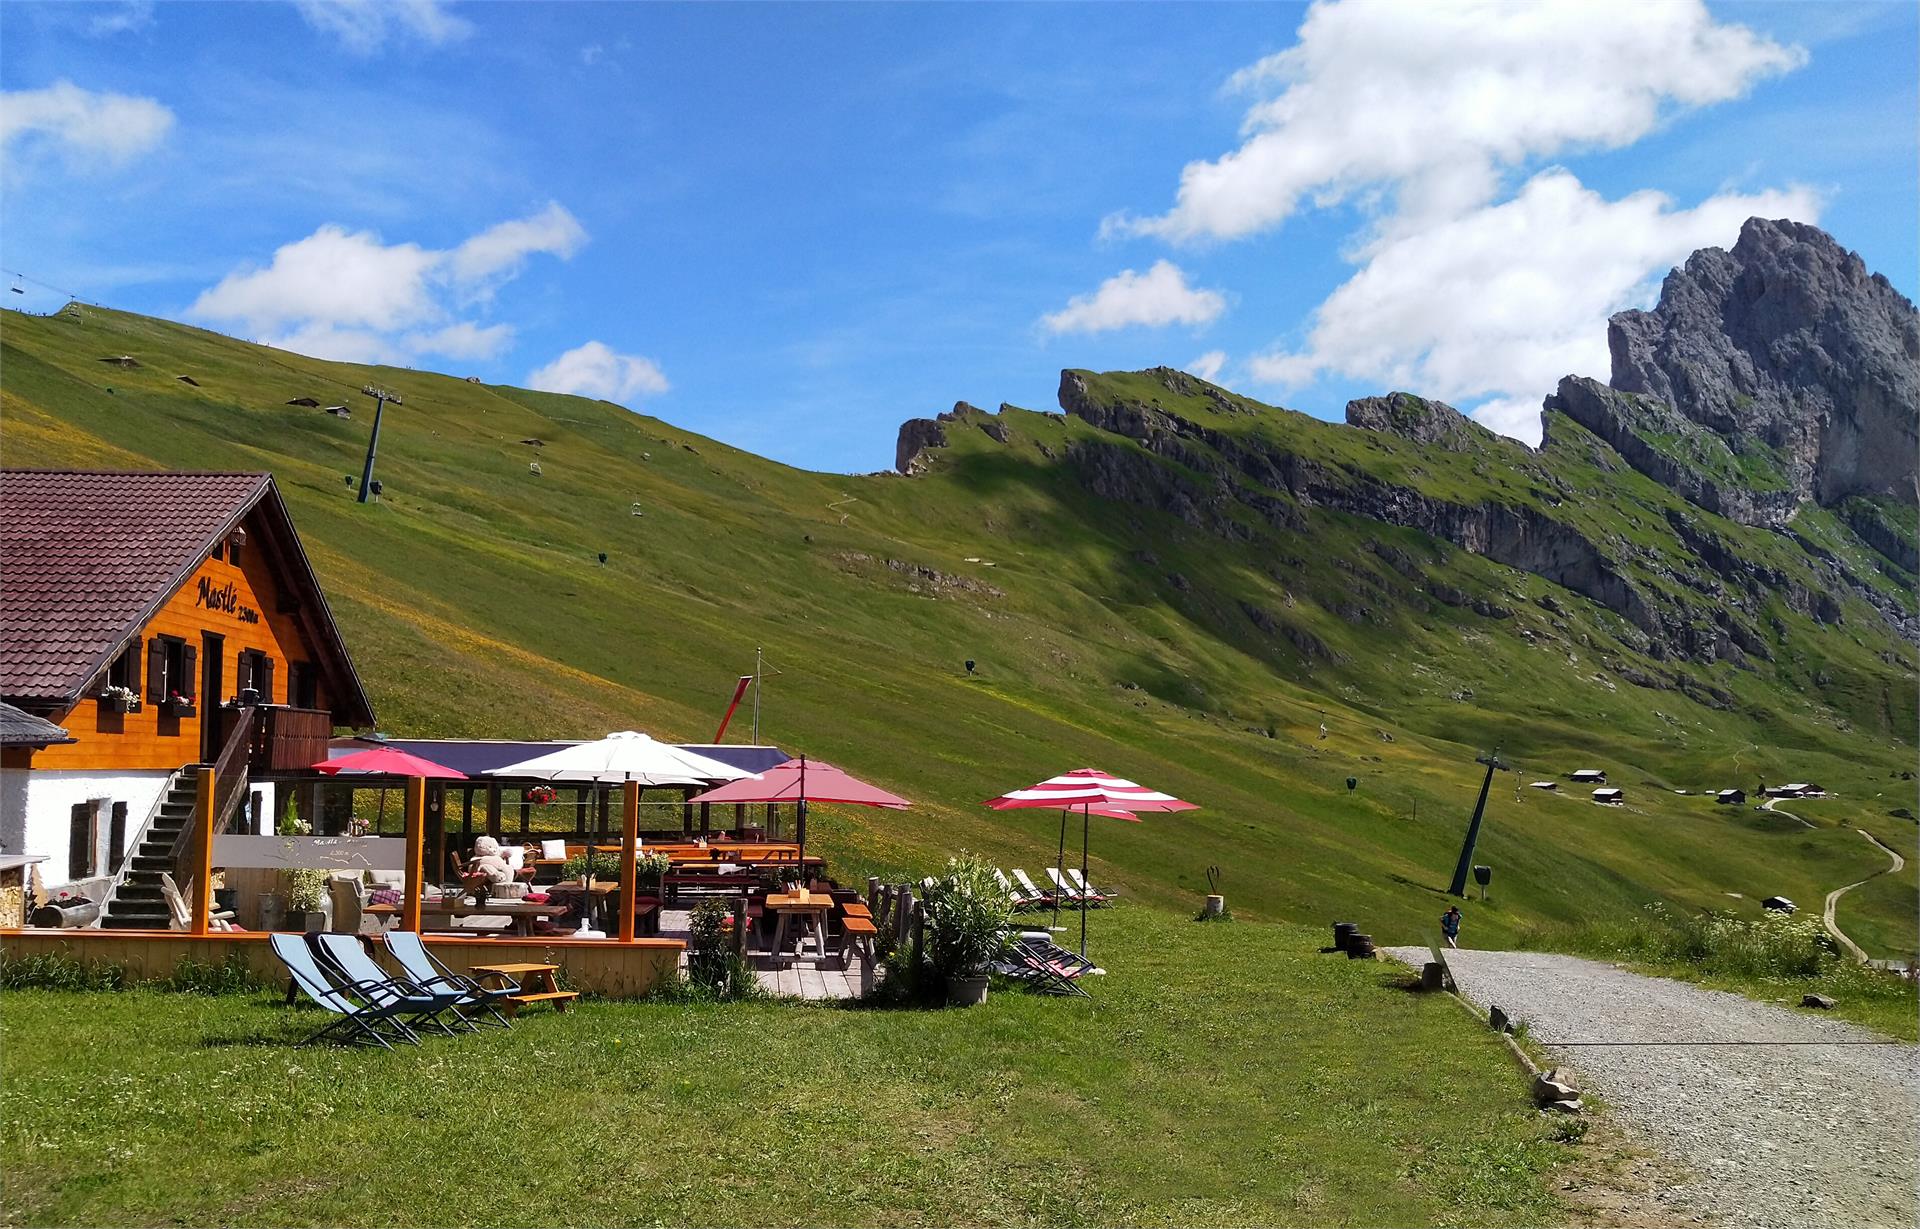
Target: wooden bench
859, 932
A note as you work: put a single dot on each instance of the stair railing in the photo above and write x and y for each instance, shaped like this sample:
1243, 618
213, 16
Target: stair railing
229, 787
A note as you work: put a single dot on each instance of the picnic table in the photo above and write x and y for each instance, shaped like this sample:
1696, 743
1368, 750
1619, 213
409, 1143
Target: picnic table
810, 910
537, 984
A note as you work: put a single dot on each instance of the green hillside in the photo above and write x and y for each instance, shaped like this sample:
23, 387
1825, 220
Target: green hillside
1197, 644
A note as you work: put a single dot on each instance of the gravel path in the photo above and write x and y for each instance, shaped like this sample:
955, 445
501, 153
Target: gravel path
1782, 1118
1832, 923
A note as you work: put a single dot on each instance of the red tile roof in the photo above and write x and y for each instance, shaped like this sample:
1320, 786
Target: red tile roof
86, 557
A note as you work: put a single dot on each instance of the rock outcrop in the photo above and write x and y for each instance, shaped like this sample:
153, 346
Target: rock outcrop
1789, 342
1416, 418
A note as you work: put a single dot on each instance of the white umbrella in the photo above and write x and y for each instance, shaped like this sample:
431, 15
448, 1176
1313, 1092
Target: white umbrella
623, 756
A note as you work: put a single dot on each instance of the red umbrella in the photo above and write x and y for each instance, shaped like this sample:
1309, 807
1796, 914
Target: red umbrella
1095, 793
801, 781
390, 762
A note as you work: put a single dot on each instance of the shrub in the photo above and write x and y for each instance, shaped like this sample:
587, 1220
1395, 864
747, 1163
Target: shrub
1772, 945
966, 917
714, 968
602, 865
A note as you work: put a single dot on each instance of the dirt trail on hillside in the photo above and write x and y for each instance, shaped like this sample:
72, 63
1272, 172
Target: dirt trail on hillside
1833, 898
1780, 1117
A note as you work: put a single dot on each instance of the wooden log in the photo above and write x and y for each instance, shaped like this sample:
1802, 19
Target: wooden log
873, 895
740, 925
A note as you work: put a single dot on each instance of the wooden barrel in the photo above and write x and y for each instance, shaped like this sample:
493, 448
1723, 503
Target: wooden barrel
1343, 933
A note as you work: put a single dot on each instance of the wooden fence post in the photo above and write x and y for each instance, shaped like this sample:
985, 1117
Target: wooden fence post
416, 815
629, 849
740, 925
203, 850
873, 895
919, 931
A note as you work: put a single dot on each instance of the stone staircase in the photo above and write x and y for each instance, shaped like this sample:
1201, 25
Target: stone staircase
137, 902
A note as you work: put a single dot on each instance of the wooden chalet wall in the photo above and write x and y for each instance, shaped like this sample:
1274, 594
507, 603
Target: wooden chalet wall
149, 739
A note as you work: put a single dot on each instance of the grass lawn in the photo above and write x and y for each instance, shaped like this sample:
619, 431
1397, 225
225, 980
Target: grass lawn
1225, 1074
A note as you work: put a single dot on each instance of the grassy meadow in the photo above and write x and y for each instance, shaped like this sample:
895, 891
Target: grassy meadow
475, 601
1223, 1075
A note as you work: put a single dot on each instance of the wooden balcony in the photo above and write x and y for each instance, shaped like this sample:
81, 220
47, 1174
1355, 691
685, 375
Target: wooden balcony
288, 739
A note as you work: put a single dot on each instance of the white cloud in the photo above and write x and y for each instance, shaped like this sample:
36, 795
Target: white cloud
122, 18
464, 339
83, 124
1208, 365
1159, 296
1504, 300
347, 295
364, 26
502, 250
596, 370
1435, 101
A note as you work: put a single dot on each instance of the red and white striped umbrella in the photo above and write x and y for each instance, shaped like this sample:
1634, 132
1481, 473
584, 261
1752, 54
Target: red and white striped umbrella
1090, 792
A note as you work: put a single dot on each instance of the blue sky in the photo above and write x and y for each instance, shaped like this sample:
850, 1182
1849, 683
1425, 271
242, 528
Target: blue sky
793, 227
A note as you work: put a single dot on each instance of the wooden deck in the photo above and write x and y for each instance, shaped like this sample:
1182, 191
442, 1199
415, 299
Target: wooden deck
800, 980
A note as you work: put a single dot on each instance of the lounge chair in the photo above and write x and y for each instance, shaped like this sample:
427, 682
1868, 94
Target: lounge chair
1033, 958
360, 1022
1019, 899
426, 972
423, 1006
1079, 879
1068, 892
180, 914
1026, 885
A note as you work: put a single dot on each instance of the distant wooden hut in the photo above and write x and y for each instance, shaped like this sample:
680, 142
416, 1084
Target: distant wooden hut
1588, 776
1543, 785
1611, 797
1731, 797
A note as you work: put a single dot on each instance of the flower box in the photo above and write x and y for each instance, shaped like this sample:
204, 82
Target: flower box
178, 706
111, 702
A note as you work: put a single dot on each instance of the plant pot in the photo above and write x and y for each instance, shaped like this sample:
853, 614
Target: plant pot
178, 708
66, 917
118, 704
273, 911
312, 921
967, 991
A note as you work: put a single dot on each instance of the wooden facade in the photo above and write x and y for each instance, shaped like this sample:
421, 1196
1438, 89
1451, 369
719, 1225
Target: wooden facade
612, 969
229, 627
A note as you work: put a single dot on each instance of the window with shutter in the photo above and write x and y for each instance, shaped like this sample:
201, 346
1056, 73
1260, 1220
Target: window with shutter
156, 670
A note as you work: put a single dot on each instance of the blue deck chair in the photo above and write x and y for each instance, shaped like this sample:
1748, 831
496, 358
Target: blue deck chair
430, 975
359, 1022
421, 1006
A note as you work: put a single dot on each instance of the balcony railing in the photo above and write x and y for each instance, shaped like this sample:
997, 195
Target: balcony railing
289, 739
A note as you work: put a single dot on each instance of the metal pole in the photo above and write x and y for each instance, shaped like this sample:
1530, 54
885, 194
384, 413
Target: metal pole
373, 445
1060, 863
1459, 885
1086, 810
756, 695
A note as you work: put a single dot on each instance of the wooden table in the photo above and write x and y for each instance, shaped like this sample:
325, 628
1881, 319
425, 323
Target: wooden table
812, 913
537, 985
523, 912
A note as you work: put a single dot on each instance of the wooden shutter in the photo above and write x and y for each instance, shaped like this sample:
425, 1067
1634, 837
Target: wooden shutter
82, 840
263, 678
133, 664
116, 838
189, 669
156, 670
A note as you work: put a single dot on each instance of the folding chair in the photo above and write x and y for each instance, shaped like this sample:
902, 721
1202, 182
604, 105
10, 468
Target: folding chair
426, 972
1033, 958
1026, 885
425, 1006
1068, 892
358, 1022
1080, 881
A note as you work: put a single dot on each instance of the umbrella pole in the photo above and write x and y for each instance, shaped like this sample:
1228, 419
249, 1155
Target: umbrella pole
1086, 810
1061, 862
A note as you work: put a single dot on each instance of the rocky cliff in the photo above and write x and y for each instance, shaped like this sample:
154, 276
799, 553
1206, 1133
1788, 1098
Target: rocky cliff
1773, 375
1786, 343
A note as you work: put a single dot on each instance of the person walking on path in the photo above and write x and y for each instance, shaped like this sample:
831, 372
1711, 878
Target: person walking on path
1450, 925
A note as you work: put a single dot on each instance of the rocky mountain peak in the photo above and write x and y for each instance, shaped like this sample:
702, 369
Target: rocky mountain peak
1785, 343
1417, 418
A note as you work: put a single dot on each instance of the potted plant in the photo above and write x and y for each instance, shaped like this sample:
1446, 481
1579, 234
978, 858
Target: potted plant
304, 892
649, 867
178, 705
120, 700
967, 913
